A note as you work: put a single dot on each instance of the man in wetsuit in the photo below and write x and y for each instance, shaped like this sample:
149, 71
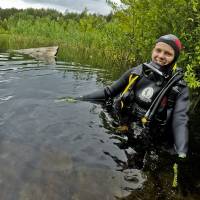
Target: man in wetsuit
137, 89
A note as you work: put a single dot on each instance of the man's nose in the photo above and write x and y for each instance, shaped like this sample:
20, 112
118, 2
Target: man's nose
161, 54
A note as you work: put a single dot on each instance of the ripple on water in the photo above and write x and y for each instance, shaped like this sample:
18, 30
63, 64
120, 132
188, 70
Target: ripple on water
6, 98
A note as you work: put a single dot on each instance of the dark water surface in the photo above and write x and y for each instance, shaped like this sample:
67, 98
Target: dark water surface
51, 149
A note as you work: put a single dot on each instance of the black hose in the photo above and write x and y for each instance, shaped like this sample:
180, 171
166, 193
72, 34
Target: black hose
178, 76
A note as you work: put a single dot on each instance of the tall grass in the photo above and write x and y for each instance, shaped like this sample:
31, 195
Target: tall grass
118, 41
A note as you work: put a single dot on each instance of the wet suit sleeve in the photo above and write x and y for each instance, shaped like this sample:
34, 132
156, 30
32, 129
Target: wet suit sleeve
118, 86
180, 122
109, 91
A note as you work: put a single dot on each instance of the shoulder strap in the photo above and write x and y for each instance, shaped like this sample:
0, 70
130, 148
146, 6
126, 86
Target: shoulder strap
131, 82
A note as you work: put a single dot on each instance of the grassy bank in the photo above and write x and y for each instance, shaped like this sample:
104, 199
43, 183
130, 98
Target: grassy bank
118, 41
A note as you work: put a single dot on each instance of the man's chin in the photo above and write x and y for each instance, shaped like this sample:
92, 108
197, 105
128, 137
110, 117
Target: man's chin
160, 63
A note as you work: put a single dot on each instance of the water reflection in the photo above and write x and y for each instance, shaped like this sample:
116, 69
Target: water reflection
54, 149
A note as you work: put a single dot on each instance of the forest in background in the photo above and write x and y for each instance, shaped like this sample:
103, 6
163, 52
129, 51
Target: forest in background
121, 40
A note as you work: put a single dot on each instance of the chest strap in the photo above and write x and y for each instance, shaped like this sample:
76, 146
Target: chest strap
131, 82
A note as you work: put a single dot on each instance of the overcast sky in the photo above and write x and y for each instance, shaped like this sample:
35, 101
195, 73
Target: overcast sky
97, 6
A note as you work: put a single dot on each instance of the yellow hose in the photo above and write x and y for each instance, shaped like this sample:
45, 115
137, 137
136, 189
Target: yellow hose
175, 180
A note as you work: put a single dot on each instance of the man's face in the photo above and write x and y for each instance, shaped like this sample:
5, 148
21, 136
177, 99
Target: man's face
162, 54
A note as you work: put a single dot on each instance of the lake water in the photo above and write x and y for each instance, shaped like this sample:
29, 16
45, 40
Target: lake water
51, 149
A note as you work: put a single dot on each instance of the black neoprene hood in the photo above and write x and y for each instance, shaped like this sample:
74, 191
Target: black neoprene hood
172, 41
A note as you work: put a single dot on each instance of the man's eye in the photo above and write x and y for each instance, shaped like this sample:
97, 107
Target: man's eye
158, 50
168, 54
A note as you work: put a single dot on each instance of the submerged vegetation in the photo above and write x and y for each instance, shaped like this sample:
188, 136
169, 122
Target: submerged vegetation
119, 40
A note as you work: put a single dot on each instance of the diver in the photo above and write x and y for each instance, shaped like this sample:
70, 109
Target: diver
152, 99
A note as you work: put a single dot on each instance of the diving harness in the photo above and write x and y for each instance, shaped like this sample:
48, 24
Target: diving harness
165, 75
152, 109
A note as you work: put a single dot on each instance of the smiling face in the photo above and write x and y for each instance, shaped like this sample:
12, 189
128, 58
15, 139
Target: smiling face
162, 54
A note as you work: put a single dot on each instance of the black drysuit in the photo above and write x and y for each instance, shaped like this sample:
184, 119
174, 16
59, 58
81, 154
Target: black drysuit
176, 106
